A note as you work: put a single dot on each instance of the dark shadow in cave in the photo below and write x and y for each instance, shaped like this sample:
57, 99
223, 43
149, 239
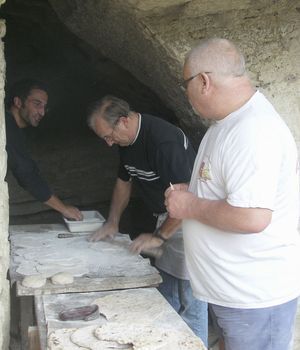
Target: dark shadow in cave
79, 167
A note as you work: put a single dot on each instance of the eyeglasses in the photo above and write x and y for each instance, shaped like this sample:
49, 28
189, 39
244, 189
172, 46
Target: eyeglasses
184, 84
108, 138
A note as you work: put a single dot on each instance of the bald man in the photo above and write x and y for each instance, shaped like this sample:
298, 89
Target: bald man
240, 210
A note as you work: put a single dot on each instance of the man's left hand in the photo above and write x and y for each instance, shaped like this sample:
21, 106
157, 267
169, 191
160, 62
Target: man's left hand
179, 204
145, 241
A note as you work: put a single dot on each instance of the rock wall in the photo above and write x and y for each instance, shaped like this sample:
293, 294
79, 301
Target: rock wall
150, 39
4, 246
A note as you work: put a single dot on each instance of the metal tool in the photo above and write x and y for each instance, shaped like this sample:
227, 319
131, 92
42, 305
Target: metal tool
71, 235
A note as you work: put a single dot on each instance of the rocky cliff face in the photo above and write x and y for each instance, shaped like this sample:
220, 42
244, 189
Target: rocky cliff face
150, 39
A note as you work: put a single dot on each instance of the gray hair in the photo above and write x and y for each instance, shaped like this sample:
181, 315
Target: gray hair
110, 108
218, 56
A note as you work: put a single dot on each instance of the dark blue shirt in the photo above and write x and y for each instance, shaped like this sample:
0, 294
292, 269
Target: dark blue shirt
21, 164
160, 154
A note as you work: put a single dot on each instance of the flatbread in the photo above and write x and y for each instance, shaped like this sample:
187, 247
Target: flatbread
60, 340
147, 337
129, 306
85, 337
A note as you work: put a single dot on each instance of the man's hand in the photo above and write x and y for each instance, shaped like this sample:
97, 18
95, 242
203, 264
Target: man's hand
179, 203
71, 212
177, 187
145, 241
107, 231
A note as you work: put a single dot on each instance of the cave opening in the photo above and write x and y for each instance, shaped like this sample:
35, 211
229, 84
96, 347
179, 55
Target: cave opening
80, 168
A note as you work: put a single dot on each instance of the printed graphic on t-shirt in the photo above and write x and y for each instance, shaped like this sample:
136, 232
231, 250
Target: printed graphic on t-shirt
204, 171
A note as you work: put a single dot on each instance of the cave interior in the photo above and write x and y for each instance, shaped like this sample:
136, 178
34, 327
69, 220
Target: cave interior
79, 167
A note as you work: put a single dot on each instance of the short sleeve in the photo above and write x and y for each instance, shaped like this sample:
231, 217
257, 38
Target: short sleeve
251, 165
122, 173
174, 163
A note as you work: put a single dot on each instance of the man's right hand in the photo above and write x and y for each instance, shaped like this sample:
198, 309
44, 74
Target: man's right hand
107, 231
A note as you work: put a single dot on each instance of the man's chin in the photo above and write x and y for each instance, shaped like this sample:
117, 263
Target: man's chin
34, 123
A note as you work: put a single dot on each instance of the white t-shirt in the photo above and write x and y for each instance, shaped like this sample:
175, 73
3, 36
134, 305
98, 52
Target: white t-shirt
250, 159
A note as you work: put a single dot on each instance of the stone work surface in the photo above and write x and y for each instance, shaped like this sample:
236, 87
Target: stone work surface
150, 39
4, 246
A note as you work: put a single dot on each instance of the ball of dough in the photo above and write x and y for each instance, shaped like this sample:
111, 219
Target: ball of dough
34, 281
62, 278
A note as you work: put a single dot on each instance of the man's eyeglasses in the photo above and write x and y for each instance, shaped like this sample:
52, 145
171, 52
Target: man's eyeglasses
184, 84
109, 137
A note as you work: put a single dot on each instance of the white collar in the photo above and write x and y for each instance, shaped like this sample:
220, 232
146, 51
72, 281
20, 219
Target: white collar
138, 130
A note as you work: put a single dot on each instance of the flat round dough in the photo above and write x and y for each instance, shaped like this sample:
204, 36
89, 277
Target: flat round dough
85, 338
148, 337
62, 278
60, 340
34, 281
125, 306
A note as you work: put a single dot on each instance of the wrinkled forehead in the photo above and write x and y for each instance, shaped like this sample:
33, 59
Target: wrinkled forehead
100, 125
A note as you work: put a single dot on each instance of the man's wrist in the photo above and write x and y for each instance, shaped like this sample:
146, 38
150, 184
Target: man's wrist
158, 234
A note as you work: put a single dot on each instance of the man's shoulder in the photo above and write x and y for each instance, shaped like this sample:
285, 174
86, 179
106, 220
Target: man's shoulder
158, 127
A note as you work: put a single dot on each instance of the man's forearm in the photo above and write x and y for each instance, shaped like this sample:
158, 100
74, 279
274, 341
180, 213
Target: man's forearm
221, 215
119, 202
169, 227
55, 203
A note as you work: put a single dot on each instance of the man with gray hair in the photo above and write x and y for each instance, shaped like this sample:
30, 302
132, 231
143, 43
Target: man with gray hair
240, 210
153, 153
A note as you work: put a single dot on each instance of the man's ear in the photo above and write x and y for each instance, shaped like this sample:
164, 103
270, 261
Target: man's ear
205, 86
125, 121
17, 102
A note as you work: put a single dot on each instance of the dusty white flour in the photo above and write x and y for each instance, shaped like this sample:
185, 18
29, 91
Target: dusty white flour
36, 254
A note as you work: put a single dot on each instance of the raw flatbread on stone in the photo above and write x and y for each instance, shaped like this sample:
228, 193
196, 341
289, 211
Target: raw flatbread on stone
34, 281
147, 337
85, 337
60, 340
128, 306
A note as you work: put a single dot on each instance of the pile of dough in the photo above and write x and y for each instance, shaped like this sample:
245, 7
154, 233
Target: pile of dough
62, 278
34, 281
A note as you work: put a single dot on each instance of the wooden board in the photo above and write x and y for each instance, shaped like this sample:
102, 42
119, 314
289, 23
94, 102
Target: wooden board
112, 266
150, 308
